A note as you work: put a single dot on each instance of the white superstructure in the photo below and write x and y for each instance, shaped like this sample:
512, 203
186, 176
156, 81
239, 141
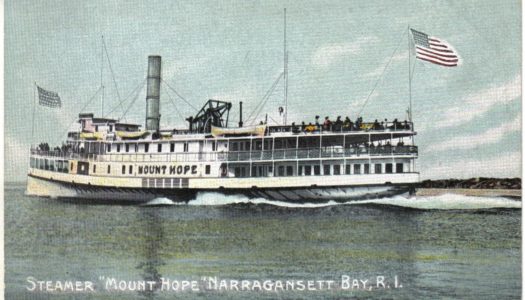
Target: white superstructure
109, 160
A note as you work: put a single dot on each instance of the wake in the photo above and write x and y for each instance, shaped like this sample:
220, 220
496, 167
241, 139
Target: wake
442, 202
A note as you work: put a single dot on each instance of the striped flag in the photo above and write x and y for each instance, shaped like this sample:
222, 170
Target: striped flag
434, 50
48, 98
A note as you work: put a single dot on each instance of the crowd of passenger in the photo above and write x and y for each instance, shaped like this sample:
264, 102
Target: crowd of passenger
348, 125
44, 147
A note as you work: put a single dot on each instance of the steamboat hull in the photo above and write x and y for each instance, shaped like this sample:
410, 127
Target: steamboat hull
102, 194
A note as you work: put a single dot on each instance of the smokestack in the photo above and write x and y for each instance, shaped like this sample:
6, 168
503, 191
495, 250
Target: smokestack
153, 94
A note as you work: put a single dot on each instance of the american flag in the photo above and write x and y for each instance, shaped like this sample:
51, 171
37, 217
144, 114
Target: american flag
48, 98
434, 50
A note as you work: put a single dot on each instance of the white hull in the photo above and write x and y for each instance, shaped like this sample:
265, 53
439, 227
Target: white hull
54, 189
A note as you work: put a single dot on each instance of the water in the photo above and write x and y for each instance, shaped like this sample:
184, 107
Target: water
441, 252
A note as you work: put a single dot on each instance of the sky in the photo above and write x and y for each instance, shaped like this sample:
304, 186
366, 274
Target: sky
467, 118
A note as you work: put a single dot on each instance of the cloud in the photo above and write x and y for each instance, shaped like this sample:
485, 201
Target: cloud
505, 165
478, 103
327, 55
490, 136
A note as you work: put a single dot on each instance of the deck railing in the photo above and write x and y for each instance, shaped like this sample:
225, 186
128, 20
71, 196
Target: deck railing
237, 156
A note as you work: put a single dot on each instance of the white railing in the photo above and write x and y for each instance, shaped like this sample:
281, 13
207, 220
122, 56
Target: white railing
238, 156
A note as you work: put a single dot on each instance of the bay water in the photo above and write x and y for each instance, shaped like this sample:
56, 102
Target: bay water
448, 246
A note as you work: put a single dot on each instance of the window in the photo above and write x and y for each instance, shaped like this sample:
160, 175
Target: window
357, 168
377, 169
118, 147
146, 147
300, 171
71, 167
254, 171
94, 168
96, 127
281, 171
347, 169
159, 147
317, 170
110, 127
127, 147
234, 147
307, 170
337, 170
130, 169
186, 147
388, 168
367, 168
109, 148
399, 168
124, 169
109, 169
326, 169
237, 172
136, 148
207, 169
213, 146
172, 147
243, 172
289, 171
270, 169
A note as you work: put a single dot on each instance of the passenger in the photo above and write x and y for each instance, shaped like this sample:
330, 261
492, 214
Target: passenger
338, 124
406, 125
358, 123
375, 126
327, 125
303, 126
310, 127
317, 125
294, 128
346, 124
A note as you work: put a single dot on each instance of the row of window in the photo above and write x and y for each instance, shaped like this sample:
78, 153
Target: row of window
327, 169
126, 147
49, 164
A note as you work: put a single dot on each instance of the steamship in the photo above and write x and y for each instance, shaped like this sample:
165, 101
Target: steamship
107, 160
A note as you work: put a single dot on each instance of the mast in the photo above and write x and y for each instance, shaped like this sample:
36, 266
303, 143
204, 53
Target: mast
101, 73
409, 78
285, 78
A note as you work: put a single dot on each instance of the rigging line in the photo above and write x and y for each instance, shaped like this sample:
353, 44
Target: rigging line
273, 120
82, 109
112, 73
176, 93
266, 95
175, 107
254, 119
381, 77
133, 101
128, 96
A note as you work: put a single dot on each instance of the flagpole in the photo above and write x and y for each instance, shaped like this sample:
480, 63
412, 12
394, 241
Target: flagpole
34, 109
409, 78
